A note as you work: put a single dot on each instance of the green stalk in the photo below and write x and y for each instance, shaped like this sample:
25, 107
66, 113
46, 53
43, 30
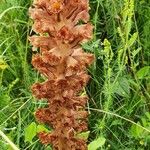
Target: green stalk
8, 141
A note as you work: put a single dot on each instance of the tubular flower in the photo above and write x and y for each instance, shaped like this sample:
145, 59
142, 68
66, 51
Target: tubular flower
61, 26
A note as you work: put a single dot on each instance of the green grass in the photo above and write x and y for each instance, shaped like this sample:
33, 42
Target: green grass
119, 90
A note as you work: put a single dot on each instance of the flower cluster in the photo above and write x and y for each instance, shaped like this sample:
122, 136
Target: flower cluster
61, 26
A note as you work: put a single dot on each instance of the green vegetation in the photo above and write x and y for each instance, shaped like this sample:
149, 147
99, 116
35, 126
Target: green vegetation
119, 90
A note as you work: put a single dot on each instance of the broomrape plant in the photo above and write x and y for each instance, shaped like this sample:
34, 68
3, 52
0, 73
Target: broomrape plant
61, 26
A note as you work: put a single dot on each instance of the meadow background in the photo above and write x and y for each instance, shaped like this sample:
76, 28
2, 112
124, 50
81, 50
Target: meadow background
119, 89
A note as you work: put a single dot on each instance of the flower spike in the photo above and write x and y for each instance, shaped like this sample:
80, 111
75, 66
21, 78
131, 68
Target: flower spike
61, 59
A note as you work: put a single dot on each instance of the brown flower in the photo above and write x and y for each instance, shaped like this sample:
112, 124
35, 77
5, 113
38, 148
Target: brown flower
63, 62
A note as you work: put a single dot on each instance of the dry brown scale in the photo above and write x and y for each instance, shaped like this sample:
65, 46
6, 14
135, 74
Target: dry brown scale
63, 62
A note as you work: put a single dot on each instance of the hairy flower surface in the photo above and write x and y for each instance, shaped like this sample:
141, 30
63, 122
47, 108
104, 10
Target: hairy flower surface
61, 26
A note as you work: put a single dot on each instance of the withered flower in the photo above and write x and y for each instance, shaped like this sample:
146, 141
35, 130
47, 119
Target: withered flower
61, 26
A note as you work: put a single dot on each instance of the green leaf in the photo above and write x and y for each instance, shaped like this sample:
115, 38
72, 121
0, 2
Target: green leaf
4, 100
147, 114
30, 132
135, 52
94, 145
122, 87
136, 131
132, 39
143, 72
83, 135
144, 121
116, 123
41, 128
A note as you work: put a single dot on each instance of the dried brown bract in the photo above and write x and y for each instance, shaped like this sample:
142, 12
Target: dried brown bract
61, 26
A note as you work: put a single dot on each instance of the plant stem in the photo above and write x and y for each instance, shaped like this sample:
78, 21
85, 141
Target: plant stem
8, 141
